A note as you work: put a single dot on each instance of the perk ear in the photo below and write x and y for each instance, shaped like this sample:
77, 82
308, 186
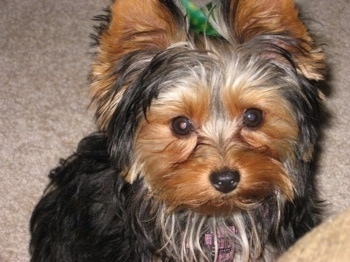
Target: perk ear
132, 26
252, 18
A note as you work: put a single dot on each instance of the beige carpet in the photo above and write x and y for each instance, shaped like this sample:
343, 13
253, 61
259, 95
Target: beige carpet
44, 63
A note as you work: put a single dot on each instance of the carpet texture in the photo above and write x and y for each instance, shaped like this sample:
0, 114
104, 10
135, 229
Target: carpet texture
44, 62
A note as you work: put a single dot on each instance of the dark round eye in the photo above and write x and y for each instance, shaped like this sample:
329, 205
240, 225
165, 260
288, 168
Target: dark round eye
252, 117
181, 126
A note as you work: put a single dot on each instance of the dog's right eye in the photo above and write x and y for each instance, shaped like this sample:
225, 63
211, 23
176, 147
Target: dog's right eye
181, 126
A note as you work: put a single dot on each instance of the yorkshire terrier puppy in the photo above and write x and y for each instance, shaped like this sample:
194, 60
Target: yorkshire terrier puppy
205, 142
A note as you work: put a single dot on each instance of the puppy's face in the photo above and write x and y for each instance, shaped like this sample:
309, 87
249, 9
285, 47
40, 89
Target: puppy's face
215, 124
216, 138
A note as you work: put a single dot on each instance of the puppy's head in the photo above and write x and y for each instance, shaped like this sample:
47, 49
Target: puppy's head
211, 123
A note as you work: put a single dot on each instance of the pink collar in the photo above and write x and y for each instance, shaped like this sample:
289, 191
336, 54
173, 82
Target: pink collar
225, 248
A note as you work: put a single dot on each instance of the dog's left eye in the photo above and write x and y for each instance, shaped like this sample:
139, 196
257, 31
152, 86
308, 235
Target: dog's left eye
252, 117
181, 126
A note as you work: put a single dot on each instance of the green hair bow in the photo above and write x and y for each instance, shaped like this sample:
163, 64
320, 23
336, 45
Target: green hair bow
198, 18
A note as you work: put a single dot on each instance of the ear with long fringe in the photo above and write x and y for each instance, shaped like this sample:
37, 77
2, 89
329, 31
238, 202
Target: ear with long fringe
132, 26
249, 19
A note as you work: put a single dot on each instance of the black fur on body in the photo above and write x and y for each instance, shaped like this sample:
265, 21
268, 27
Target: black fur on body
90, 214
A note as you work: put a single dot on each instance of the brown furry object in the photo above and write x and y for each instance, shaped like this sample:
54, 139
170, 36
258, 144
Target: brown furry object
327, 242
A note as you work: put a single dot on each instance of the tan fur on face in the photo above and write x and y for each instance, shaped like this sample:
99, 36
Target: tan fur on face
279, 129
177, 169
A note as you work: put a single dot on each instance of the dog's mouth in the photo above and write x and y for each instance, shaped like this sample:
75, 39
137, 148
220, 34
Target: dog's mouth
223, 205
226, 206
212, 197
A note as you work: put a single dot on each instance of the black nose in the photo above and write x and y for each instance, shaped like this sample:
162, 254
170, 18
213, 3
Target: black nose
225, 181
